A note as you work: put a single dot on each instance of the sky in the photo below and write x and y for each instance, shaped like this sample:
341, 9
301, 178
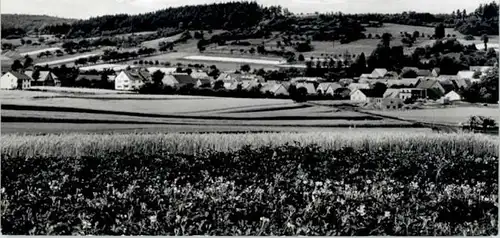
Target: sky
82, 9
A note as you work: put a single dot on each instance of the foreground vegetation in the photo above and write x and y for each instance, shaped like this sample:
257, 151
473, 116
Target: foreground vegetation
205, 185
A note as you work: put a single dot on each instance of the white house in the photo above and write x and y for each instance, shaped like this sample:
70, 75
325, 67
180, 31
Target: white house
453, 96
130, 80
366, 95
15, 80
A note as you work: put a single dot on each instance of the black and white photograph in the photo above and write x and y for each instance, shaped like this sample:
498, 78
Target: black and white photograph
249, 118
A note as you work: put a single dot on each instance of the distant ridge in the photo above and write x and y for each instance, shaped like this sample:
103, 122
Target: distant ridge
29, 22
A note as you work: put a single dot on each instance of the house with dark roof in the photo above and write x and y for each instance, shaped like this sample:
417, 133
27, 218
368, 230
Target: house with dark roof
432, 87
179, 80
46, 78
15, 80
133, 79
366, 95
403, 83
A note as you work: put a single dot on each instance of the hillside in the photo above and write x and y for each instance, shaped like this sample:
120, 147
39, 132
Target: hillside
29, 23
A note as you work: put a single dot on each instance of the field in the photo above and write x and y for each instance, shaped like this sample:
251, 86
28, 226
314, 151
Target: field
253, 184
42, 109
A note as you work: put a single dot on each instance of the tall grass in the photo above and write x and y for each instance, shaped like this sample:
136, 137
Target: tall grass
78, 145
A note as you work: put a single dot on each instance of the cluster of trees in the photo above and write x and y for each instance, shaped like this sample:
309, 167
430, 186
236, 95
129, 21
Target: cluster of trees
484, 20
18, 25
485, 91
230, 15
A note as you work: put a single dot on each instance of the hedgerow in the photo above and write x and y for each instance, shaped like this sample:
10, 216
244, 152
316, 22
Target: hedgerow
281, 190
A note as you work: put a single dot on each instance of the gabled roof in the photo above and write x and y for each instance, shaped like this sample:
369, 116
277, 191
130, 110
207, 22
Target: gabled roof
403, 82
379, 72
137, 75
199, 75
465, 74
372, 93
326, 86
184, 79
461, 83
19, 75
427, 83
365, 76
165, 70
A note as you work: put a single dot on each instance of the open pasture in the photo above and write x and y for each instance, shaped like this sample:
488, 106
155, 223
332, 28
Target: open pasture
448, 115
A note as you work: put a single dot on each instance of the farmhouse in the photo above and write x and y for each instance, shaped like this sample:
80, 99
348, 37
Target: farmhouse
179, 80
274, 89
15, 80
453, 96
327, 88
45, 78
130, 80
366, 95
405, 93
431, 85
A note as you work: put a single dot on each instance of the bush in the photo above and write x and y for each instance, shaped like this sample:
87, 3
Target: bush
285, 190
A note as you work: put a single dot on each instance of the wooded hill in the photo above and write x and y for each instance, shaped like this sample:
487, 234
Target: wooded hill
20, 24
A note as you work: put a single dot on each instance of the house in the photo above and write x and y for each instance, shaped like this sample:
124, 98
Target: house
365, 76
342, 93
311, 90
354, 86
275, 89
461, 84
378, 73
250, 77
447, 85
431, 85
203, 82
392, 102
132, 79
323, 87
45, 78
404, 93
402, 83
452, 96
199, 75
179, 80
248, 85
15, 80
366, 95
330, 89
435, 72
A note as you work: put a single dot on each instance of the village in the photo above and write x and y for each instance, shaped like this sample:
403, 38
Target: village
385, 89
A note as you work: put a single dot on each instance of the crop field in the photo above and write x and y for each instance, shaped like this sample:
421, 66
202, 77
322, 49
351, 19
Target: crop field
357, 183
449, 115
39, 109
